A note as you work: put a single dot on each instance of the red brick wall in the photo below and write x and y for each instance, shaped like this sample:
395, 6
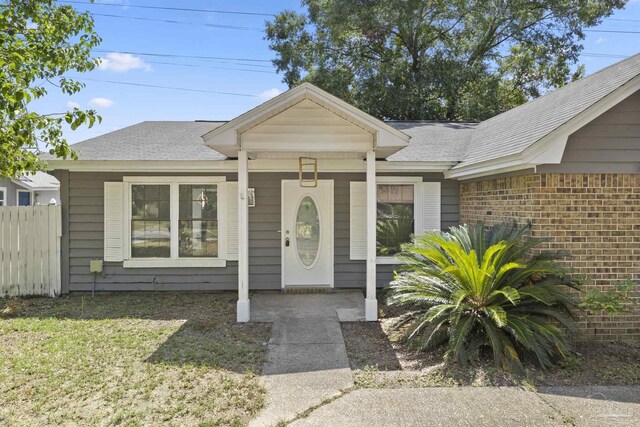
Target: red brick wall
594, 216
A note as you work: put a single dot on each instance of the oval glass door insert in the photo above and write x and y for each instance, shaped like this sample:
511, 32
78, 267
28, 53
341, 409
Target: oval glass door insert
307, 231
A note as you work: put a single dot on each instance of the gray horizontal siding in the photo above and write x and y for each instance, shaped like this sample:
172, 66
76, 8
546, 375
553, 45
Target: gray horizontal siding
608, 144
85, 233
86, 242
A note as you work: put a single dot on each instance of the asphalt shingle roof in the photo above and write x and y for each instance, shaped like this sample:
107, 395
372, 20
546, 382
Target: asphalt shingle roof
39, 180
151, 141
433, 141
513, 131
467, 143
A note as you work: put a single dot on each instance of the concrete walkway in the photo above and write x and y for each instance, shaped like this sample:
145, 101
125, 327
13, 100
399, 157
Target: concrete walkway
481, 406
307, 370
306, 357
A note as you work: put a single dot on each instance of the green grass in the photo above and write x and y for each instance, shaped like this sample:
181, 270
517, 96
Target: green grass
129, 360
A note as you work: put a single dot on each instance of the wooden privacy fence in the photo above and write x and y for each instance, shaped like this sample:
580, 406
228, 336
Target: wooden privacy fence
30, 250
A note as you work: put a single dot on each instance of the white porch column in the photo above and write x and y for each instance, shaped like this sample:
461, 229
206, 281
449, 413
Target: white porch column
371, 303
243, 307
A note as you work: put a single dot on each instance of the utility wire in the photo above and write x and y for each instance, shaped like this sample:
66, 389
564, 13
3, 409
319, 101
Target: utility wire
169, 21
181, 9
166, 87
613, 31
204, 66
171, 55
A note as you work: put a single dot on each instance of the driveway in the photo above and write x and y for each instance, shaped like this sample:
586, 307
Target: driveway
481, 406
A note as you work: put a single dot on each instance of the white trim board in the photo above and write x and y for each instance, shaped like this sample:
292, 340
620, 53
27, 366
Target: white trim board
231, 166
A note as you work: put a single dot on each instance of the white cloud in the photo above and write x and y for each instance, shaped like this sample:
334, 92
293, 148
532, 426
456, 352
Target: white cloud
100, 102
122, 62
600, 40
268, 94
72, 104
123, 3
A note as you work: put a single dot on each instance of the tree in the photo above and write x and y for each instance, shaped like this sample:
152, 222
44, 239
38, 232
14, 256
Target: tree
434, 59
40, 41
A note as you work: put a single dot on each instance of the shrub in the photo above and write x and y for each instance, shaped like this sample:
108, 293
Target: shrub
481, 288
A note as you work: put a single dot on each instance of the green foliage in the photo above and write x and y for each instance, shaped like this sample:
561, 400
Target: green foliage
434, 59
40, 41
475, 288
613, 302
394, 230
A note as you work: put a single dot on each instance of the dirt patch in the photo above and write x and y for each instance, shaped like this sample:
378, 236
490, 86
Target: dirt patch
380, 359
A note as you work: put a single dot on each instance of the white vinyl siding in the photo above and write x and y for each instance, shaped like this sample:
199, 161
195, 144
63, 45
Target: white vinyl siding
427, 212
113, 221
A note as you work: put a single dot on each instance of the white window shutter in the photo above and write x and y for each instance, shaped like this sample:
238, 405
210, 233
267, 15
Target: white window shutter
113, 221
358, 221
232, 220
431, 206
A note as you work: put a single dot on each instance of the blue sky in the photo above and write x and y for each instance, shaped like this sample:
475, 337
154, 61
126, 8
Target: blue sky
122, 105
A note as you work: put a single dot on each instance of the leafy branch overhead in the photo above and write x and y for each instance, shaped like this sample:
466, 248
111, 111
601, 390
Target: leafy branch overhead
434, 59
40, 41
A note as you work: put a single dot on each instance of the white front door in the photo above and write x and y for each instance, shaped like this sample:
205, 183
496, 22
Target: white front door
307, 234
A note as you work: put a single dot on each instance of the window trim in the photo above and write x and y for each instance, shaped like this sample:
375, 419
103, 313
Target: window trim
18, 191
417, 207
4, 196
174, 260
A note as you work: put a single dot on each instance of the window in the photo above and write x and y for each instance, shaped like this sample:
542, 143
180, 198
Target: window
3, 196
150, 221
198, 221
24, 197
174, 221
395, 217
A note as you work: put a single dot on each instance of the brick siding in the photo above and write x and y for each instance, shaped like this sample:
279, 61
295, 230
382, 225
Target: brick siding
596, 217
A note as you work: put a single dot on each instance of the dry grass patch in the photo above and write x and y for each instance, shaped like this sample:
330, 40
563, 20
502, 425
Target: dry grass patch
129, 359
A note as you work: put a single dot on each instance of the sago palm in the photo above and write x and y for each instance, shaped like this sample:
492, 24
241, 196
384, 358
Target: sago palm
475, 288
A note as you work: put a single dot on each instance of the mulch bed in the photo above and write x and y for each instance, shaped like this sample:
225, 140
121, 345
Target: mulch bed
381, 359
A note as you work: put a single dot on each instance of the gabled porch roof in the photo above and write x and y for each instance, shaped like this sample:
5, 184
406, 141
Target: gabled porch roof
306, 119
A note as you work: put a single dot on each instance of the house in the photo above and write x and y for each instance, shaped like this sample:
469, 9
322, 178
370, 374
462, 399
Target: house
38, 188
306, 190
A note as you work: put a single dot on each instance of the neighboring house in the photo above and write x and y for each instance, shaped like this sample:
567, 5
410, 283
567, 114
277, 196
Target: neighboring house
29, 190
222, 205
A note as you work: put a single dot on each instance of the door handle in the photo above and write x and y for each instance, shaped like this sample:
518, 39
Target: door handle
286, 241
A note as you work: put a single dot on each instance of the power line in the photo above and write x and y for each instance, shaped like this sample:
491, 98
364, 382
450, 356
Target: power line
169, 21
171, 55
623, 20
204, 66
603, 55
166, 87
181, 9
613, 31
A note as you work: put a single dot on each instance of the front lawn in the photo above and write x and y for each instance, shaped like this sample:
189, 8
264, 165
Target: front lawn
380, 359
129, 359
